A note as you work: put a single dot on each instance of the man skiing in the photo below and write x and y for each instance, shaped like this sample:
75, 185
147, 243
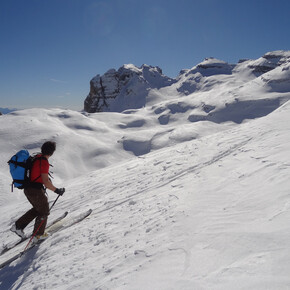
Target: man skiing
36, 194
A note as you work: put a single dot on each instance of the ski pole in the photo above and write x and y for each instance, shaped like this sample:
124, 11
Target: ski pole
54, 202
34, 234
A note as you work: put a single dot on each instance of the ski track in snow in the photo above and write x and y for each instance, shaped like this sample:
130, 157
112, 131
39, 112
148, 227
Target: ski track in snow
144, 223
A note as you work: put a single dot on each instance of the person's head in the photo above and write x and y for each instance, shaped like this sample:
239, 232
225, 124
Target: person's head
48, 148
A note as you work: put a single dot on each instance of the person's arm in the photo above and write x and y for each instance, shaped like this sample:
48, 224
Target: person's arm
46, 181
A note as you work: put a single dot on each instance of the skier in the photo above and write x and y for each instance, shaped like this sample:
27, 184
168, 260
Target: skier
36, 194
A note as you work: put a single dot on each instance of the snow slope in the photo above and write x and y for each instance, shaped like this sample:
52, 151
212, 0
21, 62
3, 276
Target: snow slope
179, 201
206, 214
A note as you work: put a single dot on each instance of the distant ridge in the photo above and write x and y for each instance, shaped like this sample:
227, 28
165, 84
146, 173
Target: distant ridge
132, 87
7, 110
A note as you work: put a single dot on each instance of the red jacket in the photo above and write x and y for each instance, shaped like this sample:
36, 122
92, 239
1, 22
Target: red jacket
40, 165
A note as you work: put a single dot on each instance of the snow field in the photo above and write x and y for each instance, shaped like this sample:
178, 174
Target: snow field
190, 192
206, 214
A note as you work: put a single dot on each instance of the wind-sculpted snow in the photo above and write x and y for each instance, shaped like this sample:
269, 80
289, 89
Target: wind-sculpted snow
199, 215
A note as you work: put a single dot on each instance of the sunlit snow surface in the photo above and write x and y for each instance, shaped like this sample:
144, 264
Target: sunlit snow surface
191, 192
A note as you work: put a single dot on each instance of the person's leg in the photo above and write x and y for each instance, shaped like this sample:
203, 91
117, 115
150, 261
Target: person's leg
27, 218
42, 207
40, 211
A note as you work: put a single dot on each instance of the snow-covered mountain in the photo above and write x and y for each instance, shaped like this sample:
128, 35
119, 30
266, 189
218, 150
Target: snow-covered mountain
189, 192
131, 87
126, 88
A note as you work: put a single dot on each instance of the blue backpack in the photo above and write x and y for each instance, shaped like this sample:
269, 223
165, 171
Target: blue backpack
20, 165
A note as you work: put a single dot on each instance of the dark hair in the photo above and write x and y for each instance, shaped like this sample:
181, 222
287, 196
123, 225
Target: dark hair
48, 148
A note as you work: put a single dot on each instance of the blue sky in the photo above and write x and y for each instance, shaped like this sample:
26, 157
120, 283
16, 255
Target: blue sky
50, 49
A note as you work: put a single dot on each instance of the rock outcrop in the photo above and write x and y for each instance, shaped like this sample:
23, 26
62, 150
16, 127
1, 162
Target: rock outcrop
123, 89
269, 61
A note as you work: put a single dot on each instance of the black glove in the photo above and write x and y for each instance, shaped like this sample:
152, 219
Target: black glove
60, 191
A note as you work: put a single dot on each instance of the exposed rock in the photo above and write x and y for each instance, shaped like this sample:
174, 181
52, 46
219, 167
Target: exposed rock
123, 89
213, 66
243, 60
269, 61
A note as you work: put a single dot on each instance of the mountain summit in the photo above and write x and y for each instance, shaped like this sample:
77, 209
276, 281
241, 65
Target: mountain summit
132, 87
126, 88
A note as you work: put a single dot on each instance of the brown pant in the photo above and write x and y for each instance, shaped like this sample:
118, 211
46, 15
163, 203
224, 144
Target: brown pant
40, 210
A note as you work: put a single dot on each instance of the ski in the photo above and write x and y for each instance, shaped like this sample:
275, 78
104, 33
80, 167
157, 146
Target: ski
11, 246
61, 224
58, 219
66, 223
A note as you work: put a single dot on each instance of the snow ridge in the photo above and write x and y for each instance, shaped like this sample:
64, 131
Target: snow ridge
131, 87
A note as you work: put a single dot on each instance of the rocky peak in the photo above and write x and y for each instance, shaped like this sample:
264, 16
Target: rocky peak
125, 88
279, 56
212, 65
209, 66
269, 61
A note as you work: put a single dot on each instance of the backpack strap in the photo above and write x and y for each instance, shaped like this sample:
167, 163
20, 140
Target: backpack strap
17, 163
